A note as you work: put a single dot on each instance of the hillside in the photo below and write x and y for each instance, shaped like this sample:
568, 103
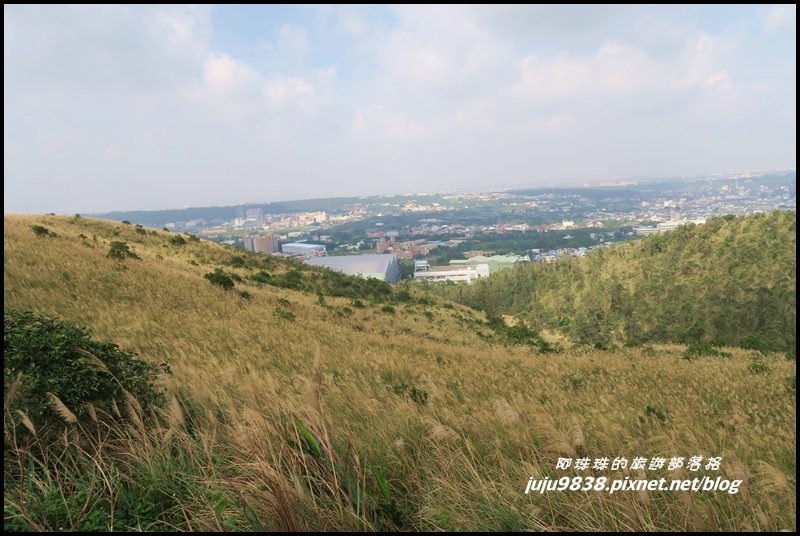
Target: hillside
301, 399
729, 281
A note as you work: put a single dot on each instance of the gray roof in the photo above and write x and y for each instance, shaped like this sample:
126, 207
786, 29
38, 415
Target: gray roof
356, 264
301, 245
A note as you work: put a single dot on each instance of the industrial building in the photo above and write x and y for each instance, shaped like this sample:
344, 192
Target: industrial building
385, 267
466, 273
304, 250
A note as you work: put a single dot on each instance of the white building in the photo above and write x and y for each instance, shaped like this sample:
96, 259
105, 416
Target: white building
304, 250
423, 271
384, 267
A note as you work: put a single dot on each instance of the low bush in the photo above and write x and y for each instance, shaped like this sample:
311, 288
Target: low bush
44, 357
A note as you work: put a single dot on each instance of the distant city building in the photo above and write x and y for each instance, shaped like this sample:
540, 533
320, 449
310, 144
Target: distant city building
665, 226
304, 250
248, 243
255, 214
466, 273
383, 267
470, 254
263, 244
495, 262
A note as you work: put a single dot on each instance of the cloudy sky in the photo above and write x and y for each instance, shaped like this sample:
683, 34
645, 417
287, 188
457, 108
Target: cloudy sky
123, 107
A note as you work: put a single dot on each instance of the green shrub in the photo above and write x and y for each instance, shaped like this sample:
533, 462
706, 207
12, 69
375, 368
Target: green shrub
121, 251
260, 277
752, 342
284, 314
40, 230
177, 240
218, 277
46, 355
702, 349
757, 366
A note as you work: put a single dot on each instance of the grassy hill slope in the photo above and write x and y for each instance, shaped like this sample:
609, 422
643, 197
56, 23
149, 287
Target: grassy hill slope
305, 400
731, 280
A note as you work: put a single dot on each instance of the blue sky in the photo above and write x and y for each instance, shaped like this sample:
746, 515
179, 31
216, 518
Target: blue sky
151, 107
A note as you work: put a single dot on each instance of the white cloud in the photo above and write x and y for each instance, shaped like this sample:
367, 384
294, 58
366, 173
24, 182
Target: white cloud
423, 96
781, 17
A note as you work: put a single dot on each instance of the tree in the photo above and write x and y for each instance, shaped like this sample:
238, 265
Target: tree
45, 357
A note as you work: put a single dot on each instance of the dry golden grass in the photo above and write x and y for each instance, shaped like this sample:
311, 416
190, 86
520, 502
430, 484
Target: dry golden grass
456, 458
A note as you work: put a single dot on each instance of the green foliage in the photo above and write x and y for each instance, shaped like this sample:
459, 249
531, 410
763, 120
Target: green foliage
220, 278
386, 502
244, 294
496, 323
292, 279
121, 251
310, 443
519, 334
40, 230
403, 296
260, 277
140, 229
757, 365
388, 309
731, 278
704, 349
655, 411
53, 356
401, 384
177, 240
284, 314
576, 382
752, 342
126, 222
